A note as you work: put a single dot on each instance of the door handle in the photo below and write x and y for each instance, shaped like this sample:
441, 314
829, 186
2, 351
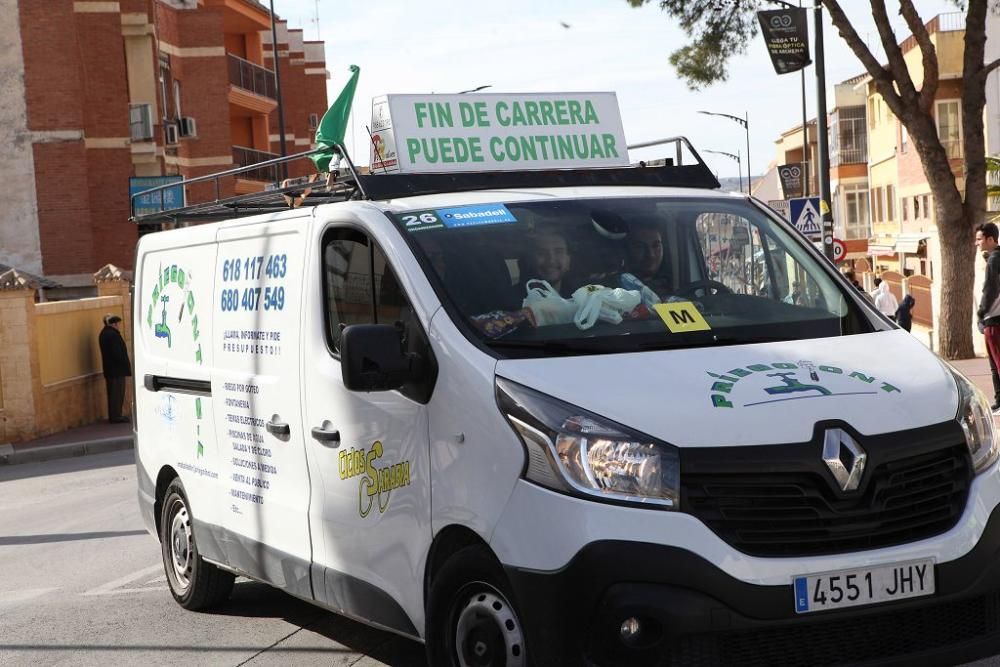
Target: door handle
326, 433
277, 428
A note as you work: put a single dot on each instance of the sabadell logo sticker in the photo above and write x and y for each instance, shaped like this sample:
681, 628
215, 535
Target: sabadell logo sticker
760, 384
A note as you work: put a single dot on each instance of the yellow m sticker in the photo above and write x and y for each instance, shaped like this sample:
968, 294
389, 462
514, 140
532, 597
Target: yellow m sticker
681, 317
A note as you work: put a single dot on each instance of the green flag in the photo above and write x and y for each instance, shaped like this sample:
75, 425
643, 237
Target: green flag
333, 126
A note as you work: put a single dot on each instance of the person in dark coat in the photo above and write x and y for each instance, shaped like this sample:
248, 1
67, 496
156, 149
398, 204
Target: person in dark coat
114, 357
904, 314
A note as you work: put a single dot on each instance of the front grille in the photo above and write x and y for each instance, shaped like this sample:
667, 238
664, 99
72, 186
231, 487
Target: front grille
801, 513
872, 637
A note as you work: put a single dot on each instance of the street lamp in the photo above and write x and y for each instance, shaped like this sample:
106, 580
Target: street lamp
745, 122
739, 166
474, 90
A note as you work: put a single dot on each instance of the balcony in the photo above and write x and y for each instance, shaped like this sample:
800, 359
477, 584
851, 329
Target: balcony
252, 77
244, 157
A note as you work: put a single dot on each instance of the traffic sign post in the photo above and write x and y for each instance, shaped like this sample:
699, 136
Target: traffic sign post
805, 215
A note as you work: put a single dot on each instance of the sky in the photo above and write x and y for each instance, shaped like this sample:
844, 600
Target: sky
519, 46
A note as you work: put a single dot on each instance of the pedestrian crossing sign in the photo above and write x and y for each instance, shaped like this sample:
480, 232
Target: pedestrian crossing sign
804, 214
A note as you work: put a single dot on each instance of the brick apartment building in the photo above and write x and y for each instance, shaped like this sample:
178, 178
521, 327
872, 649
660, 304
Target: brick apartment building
96, 92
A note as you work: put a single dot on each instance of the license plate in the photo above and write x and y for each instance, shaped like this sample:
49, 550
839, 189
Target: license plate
864, 585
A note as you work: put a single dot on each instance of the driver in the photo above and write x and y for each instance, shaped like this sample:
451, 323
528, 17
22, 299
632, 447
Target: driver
644, 257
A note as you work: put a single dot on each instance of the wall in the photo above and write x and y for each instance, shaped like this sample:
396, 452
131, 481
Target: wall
50, 366
19, 243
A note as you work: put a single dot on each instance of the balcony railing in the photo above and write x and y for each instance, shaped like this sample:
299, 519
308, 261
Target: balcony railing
244, 157
250, 76
850, 156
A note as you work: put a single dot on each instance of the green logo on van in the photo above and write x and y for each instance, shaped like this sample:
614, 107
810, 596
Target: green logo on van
787, 381
175, 282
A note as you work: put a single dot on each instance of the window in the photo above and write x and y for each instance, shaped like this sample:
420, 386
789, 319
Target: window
348, 282
856, 221
949, 127
903, 205
877, 208
890, 203
140, 120
360, 286
313, 121
927, 207
904, 138
177, 98
916, 208
752, 279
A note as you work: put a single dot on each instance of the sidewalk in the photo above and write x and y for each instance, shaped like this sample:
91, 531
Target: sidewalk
92, 439
100, 438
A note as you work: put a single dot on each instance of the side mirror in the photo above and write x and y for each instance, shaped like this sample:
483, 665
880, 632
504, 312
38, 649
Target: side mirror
372, 358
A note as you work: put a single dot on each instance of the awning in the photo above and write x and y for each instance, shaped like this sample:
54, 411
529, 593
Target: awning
881, 248
910, 243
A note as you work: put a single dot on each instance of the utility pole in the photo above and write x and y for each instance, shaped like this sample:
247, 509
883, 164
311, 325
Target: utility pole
823, 157
277, 91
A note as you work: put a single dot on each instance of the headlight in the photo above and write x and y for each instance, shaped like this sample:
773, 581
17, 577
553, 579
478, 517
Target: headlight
976, 418
574, 451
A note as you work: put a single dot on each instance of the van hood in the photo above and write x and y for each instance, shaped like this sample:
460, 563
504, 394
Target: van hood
769, 393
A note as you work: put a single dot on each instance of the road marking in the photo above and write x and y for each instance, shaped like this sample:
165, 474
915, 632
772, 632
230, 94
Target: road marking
13, 597
110, 587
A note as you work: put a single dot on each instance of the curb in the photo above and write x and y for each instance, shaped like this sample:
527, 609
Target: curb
69, 450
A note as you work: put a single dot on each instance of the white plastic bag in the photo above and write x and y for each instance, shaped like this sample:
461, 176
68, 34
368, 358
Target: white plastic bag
546, 306
596, 302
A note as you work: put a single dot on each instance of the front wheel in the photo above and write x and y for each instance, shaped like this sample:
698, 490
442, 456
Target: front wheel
471, 619
194, 583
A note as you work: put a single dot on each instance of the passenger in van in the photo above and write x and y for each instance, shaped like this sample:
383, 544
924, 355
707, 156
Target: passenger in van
550, 260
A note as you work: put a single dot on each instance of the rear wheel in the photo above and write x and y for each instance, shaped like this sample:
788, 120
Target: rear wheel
471, 619
194, 583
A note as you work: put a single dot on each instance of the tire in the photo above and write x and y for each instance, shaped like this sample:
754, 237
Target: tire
195, 584
471, 621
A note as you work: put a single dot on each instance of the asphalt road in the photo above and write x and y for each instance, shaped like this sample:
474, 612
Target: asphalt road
81, 583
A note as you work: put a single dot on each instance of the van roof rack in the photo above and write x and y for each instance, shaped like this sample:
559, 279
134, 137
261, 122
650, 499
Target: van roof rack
348, 183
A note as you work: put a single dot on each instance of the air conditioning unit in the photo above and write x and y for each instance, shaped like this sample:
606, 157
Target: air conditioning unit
188, 128
170, 133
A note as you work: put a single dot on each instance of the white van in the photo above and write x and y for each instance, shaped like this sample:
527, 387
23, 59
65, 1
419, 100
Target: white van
585, 417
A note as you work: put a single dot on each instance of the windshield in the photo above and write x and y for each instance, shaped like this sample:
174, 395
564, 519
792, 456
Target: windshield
627, 274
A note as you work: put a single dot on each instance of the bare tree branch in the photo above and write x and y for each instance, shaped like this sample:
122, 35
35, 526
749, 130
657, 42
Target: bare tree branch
989, 67
897, 64
928, 89
883, 77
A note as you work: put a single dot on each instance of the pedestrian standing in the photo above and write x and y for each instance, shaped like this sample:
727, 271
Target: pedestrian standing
904, 314
989, 305
114, 358
885, 301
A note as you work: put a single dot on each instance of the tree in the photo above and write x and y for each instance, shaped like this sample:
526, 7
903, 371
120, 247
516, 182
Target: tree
720, 29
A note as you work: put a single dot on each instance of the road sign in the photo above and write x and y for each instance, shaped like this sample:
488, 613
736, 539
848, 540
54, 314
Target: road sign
839, 250
804, 214
160, 200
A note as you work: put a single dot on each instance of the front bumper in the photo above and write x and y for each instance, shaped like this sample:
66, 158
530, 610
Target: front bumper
696, 614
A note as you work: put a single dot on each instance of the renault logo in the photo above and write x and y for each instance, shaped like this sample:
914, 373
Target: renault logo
844, 457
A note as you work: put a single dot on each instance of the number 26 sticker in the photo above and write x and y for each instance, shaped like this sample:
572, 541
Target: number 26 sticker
418, 221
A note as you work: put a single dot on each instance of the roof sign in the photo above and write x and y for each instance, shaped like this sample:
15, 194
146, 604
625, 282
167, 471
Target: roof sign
496, 132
